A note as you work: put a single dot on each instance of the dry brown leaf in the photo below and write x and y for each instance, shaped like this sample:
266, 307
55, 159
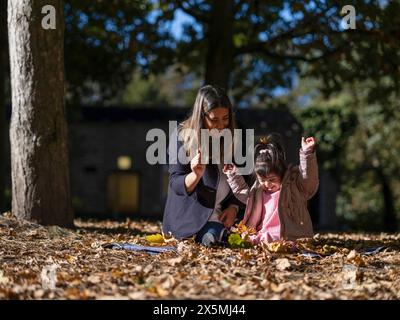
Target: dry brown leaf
175, 261
282, 264
86, 270
94, 279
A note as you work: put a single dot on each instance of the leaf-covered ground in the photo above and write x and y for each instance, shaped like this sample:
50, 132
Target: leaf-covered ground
39, 262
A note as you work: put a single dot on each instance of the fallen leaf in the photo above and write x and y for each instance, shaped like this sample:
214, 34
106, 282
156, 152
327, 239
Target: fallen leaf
355, 258
174, 261
350, 275
241, 290
94, 279
86, 270
282, 264
3, 279
147, 269
137, 295
155, 238
352, 254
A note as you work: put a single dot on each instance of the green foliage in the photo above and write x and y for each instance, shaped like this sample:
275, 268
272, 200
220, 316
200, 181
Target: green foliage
236, 241
271, 41
144, 92
331, 126
269, 44
358, 140
372, 53
359, 203
169, 89
103, 43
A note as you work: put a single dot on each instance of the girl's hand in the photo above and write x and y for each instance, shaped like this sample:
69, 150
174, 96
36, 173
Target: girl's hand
228, 217
228, 169
196, 166
308, 144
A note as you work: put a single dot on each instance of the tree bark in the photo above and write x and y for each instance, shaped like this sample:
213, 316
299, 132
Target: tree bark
38, 129
220, 55
389, 215
3, 67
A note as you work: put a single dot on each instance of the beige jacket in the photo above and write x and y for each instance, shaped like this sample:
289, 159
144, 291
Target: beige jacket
299, 184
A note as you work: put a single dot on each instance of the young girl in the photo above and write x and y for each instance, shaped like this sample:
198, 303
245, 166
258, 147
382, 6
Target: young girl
276, 204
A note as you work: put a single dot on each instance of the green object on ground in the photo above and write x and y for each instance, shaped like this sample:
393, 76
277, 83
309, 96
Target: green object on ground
236, 241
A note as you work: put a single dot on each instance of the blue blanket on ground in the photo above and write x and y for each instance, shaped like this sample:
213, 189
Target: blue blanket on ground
138, 247
161, 249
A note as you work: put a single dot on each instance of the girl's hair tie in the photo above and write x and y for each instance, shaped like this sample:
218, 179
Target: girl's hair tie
264, 140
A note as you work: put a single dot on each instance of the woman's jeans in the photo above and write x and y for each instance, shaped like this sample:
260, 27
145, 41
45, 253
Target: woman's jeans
212, 233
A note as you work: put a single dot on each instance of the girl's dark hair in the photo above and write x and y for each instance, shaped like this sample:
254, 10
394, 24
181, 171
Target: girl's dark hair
269, 157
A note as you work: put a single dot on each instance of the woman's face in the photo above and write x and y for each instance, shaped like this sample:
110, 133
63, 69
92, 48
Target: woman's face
217, 118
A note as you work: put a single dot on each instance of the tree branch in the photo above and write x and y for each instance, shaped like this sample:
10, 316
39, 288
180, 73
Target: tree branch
193, 12
262, 49
290, 33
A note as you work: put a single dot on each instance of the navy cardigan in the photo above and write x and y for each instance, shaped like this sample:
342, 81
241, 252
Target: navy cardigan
185, 214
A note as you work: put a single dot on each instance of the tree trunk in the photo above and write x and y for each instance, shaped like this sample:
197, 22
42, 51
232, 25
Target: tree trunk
38, 129
219, 61
3, 66
389, 217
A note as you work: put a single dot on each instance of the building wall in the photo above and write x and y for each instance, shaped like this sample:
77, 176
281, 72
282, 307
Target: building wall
94, 150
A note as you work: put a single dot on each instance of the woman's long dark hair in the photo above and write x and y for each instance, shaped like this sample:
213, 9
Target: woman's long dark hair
208, 98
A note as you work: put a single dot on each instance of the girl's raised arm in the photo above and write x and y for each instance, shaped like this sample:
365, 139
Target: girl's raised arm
308, 178
237, 184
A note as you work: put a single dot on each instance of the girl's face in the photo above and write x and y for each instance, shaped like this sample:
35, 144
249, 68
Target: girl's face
271, 183
217, 118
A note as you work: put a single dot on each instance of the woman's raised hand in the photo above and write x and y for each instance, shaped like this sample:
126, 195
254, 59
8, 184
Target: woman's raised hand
197, 167
229, 169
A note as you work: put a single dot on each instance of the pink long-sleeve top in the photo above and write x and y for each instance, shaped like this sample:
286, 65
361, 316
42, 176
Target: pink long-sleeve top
270, 228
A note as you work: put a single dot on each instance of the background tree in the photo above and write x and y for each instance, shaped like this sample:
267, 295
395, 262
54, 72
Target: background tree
38, 130
358, 146
104, 42
3, 77
168, 89
254, 47
250, 47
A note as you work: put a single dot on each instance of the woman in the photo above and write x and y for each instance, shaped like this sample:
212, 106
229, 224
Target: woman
200, 202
